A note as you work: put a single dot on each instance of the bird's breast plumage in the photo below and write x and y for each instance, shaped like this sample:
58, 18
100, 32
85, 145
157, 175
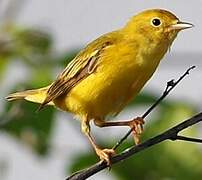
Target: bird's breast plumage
117, 79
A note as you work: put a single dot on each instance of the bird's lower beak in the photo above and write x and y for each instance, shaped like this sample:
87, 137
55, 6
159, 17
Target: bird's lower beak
180, 26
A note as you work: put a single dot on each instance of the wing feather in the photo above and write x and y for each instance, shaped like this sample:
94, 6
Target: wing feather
79, 68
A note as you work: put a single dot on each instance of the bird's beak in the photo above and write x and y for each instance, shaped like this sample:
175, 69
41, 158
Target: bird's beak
180, 26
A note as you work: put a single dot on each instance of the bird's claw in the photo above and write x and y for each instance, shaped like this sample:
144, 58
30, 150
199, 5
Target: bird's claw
105, 155
137, 128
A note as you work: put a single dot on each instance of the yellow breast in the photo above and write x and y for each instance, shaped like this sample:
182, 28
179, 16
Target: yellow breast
120, 75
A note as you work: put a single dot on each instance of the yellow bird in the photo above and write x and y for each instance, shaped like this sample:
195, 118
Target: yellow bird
109, 72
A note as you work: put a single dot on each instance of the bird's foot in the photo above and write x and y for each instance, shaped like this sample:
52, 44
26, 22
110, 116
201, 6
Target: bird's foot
137, 128
105, 155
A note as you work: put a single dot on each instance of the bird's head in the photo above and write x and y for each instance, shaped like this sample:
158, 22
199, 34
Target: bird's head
156, 25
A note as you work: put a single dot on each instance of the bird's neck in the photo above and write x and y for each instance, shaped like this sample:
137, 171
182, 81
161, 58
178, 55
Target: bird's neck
149, 48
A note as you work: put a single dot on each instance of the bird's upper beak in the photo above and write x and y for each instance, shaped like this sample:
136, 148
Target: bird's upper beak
180, 26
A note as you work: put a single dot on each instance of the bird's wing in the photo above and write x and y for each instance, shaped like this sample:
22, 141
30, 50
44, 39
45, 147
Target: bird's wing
79, 68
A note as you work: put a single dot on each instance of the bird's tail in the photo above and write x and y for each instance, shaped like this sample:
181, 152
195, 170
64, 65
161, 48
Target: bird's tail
35, 95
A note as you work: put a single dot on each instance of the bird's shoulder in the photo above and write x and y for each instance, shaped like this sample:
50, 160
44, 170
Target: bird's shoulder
105, 40
90, 54
81, 66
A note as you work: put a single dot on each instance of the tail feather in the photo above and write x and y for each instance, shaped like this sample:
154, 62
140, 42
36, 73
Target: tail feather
35, 95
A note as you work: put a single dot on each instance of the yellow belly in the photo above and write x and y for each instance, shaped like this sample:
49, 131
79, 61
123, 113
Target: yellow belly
107, 90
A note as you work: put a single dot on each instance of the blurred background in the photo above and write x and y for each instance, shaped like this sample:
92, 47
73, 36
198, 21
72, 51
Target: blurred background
37, 40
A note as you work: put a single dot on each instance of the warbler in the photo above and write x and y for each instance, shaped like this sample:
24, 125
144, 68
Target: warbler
109, 72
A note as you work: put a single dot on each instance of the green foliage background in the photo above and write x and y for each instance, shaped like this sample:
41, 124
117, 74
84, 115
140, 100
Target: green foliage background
34, 49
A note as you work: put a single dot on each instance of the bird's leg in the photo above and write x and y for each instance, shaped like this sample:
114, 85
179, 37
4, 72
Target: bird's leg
104, 154
136, 125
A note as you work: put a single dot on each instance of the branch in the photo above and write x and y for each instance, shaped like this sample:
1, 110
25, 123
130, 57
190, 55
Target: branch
169, 87
170, 134
183, 138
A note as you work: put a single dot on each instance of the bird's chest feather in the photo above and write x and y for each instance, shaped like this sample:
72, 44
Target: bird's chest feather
119, 77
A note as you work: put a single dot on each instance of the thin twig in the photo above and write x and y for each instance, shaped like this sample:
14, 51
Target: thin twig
169, 87
170, 134
184, 138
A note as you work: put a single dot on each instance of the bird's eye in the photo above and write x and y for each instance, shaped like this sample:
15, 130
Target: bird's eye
156, 22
